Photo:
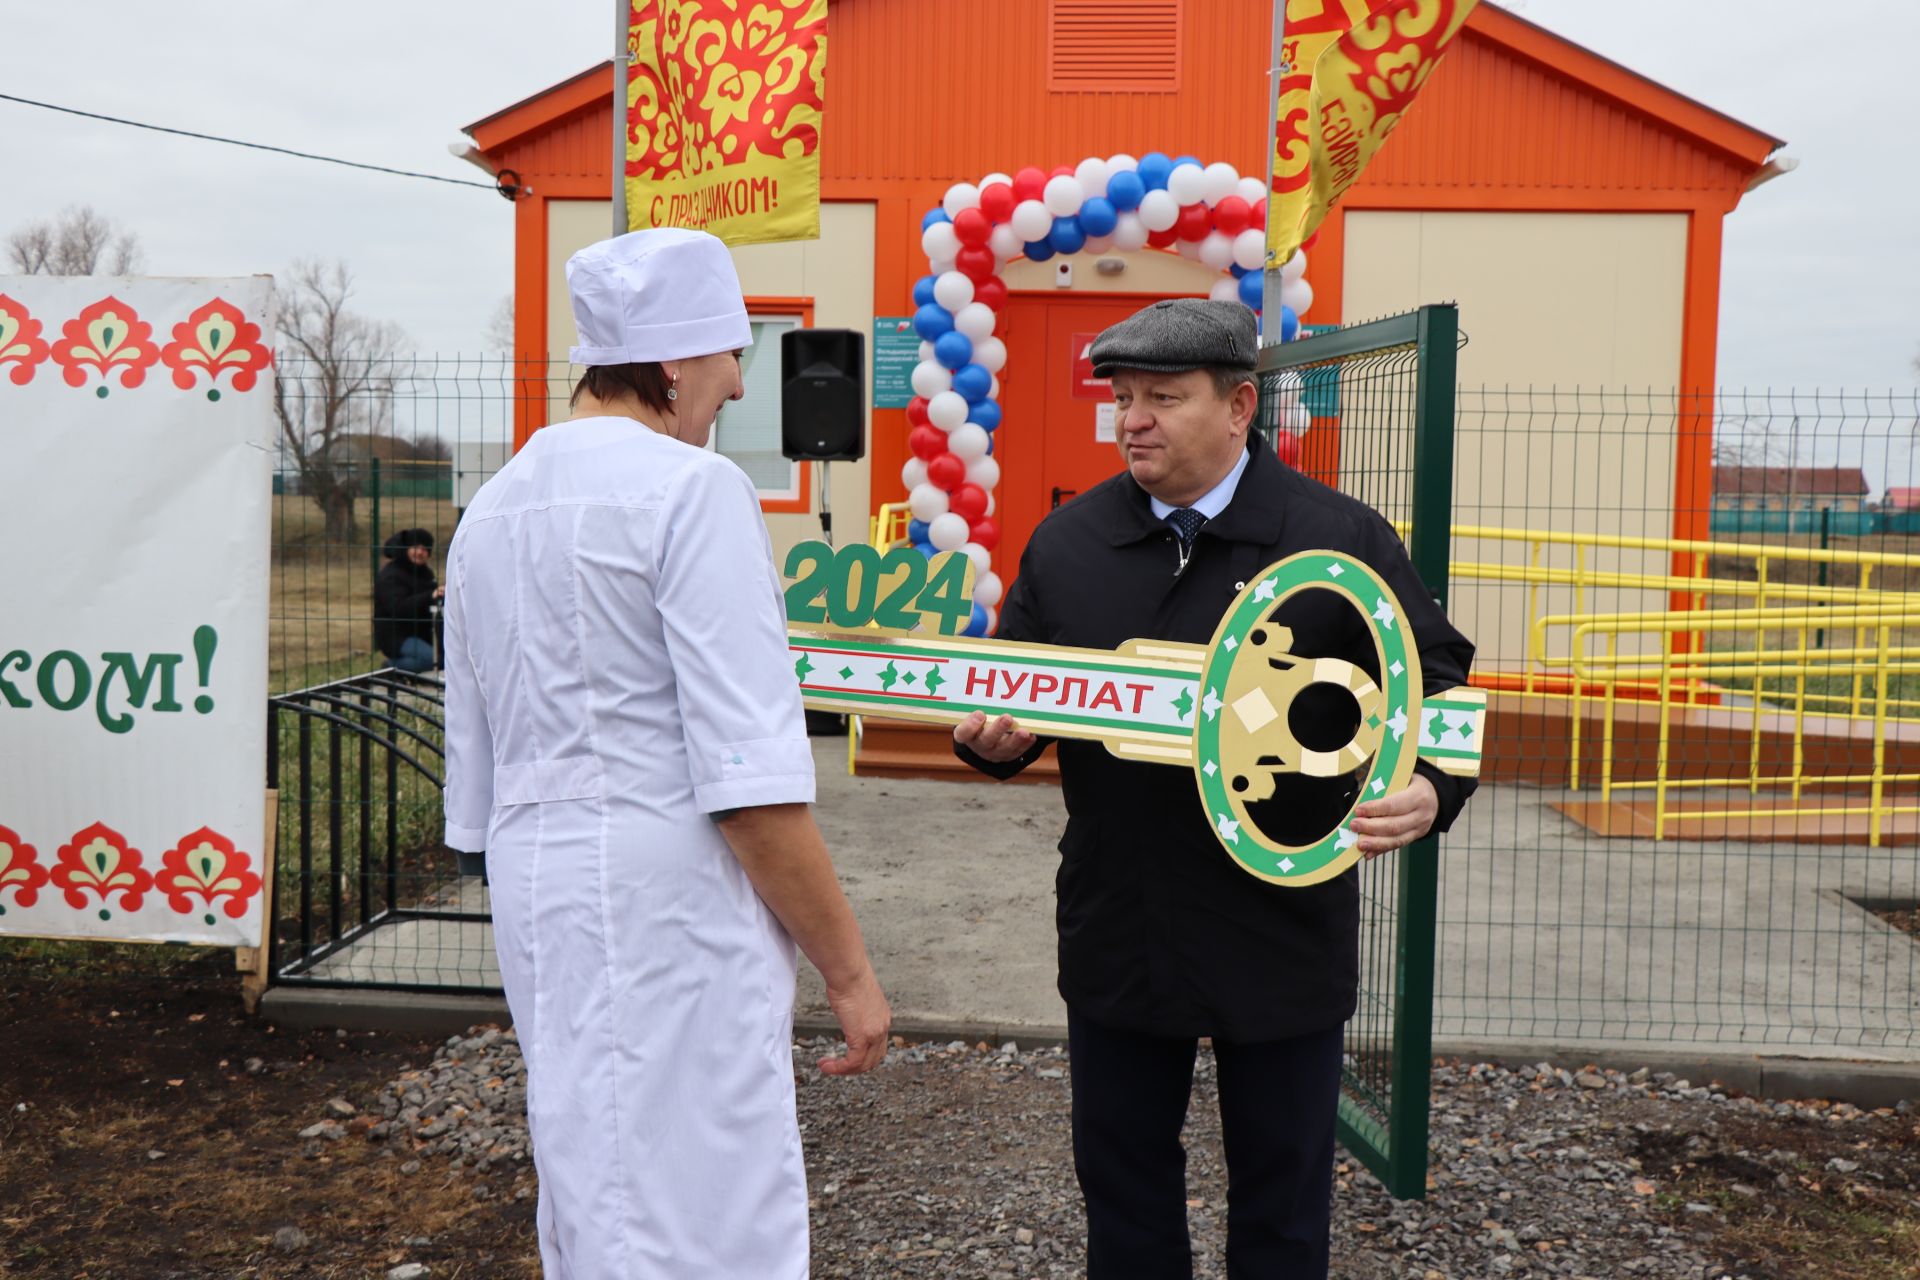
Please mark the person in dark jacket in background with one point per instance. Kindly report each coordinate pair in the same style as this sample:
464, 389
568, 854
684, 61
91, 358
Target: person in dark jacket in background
404, 593
1163, 939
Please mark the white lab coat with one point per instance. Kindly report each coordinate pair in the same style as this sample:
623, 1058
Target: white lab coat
617, 672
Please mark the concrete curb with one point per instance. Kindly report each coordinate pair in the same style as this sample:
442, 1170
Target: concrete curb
1783, 1076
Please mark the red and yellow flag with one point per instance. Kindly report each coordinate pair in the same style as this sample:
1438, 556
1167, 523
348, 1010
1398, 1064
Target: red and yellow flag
1355, 67
724, 101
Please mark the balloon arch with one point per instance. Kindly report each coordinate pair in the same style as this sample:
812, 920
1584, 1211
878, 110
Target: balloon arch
1208, 213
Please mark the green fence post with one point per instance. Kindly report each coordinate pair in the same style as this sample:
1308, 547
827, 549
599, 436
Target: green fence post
373, 480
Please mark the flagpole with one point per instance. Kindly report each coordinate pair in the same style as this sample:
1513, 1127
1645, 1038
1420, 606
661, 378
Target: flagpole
1270, 277
622, 12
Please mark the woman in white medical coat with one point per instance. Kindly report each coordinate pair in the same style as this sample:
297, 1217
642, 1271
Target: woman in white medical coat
625, 740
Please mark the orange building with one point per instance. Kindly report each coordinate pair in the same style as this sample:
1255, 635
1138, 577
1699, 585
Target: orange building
1572, 207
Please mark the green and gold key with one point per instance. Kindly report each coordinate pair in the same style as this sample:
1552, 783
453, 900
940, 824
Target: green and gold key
1222, 710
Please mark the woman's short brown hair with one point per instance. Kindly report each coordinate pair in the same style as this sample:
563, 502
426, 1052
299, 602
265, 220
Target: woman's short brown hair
646, 383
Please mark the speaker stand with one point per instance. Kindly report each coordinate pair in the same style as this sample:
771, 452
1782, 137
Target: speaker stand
826, 509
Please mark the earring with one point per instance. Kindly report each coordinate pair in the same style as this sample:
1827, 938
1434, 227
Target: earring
673, 391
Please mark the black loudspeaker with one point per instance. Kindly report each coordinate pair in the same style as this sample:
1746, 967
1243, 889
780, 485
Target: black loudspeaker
823, 394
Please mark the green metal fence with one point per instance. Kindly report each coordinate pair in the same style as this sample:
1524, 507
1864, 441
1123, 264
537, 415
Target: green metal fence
1387, 389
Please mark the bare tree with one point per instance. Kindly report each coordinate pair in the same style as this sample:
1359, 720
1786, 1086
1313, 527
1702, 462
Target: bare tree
80, 242
333, 388
499, 333
431, 446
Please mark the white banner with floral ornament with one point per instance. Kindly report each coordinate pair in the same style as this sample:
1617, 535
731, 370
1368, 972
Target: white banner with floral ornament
135, 499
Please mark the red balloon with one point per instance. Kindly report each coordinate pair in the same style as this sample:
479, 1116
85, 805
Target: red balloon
972, 226
1195, 221
969, 501
985, 532
992, 291
948, 472
927, 443
917, 412
1029, 183
997, 201
1064, 171
1287, 446
1163, 239
1259, 211
976, 262
1232, 216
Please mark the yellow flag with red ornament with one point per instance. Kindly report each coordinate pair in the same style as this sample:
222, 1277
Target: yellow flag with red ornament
1354, 69
724, 100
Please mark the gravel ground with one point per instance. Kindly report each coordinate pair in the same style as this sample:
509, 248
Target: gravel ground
954, 1161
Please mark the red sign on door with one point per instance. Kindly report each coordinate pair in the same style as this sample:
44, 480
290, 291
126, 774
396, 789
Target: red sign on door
1085, 385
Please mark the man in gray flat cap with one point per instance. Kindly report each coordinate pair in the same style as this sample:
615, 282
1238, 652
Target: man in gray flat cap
1162, 938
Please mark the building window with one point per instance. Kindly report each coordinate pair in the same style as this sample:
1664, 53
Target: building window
748, 429
1113, 46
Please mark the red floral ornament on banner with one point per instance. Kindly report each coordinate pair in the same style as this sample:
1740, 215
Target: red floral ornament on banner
20, 871
20, 343
101, 862
218, 338
207, 866
108, 335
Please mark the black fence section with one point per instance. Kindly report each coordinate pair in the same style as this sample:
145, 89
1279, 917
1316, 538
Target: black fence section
365, 894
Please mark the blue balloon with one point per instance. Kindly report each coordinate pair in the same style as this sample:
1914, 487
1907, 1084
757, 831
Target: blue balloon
973, 382
932, 320
953, 348
1178, 161
1098, 217
1153, 171
1038, 250
923, 291
916, 531
1067, 235
932, 216
977, 624
985, 414
1125, 190
1237, 270
1252, 285
926, 549
1289, 324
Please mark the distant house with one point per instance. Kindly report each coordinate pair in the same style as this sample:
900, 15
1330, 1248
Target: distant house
1790, 489
1902, 499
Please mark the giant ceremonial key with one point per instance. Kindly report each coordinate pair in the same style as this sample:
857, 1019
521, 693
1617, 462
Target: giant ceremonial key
1222, 710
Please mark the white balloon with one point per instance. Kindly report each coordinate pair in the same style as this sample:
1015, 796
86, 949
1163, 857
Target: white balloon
1005, 242
1296, 419
1097, 245
1217, 250
1188, 249
1222, 178
990, 354
931, 378
947, 409
914, 473
960, 196
1296, 266
993, 391
948, 530
993, 617
1187, 184
926, 352
1286, 389
1030, 220
987, 590
968, 441
1129, 233
1159, 210
992, 178
983, 471
1250, 249
940, 266
1091, 174
975, 320
992, 502
926, 502
1226, 289
1063, 196
941, 242
1297, 294
1122, 163
982, 559
1252, 190
952, 290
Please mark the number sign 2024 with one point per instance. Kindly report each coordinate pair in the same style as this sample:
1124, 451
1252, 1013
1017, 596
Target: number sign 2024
896, 590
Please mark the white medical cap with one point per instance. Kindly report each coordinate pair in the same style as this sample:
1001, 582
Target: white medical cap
664, 294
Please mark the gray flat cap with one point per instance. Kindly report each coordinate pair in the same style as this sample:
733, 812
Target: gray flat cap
1177, 334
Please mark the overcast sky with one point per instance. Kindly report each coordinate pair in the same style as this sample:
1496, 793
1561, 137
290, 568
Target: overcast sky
1822, 267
